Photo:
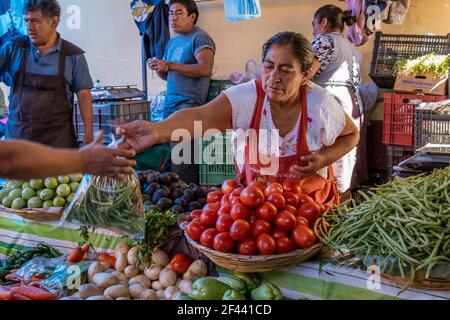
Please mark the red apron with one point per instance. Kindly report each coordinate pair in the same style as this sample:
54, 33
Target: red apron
323, 191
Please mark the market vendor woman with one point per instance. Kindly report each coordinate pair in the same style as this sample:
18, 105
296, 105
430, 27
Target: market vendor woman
314, 130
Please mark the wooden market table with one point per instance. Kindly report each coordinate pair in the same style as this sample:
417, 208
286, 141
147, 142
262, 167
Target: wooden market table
307, 280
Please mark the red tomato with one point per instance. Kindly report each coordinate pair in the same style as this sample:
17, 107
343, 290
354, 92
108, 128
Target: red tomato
180, 262
303, 236
304, 198
247, 247
235, 200
285, 220
273, 188
207, 237
195, 214
277, 200
291, 209
229, 185
266, 244
266, 212
239, 211
278, 233
195, 229
259, 184
291, 199
240, 229
225, 208
252, 197
224, 222
310, 211
259, 227
214, 196
208, 218
285, 245
235, 194
252, 218
291, 185
225, 199
302, 220
212, 206
223, 242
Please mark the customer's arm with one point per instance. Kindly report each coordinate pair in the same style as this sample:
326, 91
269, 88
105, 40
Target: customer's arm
26, 160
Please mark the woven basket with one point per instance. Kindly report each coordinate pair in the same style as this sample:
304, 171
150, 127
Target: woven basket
50, 214
259, 263
420, 282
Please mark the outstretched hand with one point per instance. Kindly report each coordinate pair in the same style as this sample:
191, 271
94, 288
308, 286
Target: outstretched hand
138, 135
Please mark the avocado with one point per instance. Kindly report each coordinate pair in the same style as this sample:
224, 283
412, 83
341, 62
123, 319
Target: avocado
166, 188
153, 177
181, 201
151, 188
160, 193
194, 205
189, 194
199, 192
164, 203
173, 176
177, 209
164, 179
176, 193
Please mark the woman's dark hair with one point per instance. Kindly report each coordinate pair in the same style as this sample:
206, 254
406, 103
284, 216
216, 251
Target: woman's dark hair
337, 19
49, 8
300, 46
190, 6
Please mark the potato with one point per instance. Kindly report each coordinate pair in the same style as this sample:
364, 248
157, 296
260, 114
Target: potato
140, 279
121, 248
157, 285
116, 291
159, 257
124, 298
121, 277
148, 294
94, 268
105, 280
160, 294
121, 262
99, 298
153, 272
109, 270
143, 265
168, 277
197, 269
131, 271
169, 292
136, 290
185, 286
132, 256
176, 295
89, 290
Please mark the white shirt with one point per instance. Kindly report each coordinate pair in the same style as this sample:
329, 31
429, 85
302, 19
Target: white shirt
326, 120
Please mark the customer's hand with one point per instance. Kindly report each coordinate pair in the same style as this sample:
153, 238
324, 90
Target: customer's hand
100, 160
158, 65
315, 162
139, 135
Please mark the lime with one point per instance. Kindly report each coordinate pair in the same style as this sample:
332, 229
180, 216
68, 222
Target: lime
14, 194
59, 201
76, 177
34, 202
4, 194
26, 185
63, 190
18, 204
74, 186
47, 194
64, 179
69, 198
28, 193
37, 184
38, 192
7, 201
7, 184
51, 183
13, 186
47, 204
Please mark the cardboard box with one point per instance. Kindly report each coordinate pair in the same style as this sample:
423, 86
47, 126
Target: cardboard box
426, 83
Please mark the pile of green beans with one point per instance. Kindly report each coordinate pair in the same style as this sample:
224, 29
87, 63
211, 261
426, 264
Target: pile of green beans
407, 220
105, 202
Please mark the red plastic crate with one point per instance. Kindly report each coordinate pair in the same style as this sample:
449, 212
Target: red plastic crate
398, 124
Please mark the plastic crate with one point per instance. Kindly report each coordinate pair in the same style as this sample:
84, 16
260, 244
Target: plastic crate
216, 160
216, 87
390, 48
398, 124
395, 155
430, 128
107, 115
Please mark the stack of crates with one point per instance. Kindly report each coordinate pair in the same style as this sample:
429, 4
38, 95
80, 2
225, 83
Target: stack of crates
216, 160
430, 127
112, 107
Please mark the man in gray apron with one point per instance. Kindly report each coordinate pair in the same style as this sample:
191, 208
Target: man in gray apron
46, 70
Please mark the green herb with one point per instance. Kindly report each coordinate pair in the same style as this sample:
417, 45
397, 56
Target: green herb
429, 63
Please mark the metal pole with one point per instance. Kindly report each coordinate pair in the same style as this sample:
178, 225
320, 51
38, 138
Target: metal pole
144, 69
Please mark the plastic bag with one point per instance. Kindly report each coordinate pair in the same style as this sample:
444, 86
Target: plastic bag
106, 202
157, 107
39, 268
252, 71
67, 280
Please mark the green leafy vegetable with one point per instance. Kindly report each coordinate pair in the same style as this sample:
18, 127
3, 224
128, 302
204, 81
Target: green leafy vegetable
432, 62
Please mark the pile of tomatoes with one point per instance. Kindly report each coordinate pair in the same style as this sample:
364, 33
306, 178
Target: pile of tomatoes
258, 219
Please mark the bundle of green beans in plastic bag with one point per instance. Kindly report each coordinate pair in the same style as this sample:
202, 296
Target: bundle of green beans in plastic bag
105, 202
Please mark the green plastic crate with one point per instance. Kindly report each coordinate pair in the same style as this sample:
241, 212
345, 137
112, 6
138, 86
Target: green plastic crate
216, 174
